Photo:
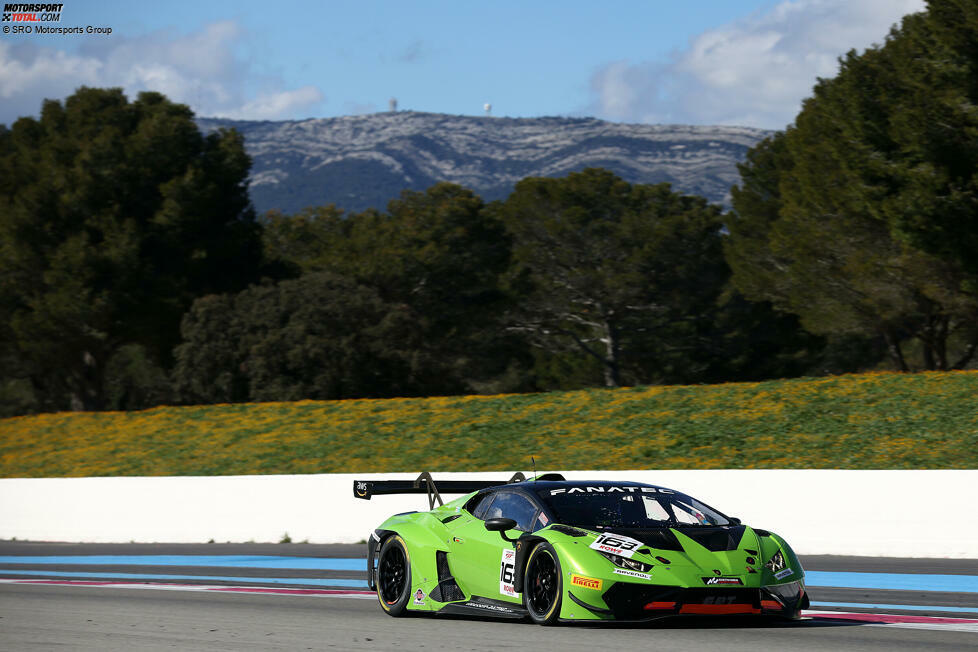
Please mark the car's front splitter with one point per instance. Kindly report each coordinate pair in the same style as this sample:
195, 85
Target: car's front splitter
634, 602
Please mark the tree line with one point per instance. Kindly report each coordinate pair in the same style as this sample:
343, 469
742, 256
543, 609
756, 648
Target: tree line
862, 217
134, 272
574, 282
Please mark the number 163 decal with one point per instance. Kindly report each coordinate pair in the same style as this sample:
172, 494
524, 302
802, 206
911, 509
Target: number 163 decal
507, 567
616, 544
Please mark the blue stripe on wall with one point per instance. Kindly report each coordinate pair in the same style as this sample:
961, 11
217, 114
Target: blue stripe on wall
896, 581
227, 561
294, 581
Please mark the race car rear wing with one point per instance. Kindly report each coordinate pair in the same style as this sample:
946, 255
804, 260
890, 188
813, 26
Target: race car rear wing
424, 484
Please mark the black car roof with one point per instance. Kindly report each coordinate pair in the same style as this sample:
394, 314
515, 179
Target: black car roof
530, 485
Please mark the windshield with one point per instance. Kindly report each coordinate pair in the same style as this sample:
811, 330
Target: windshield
641, 507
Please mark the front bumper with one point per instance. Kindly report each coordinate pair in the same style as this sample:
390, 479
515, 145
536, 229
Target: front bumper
630, 601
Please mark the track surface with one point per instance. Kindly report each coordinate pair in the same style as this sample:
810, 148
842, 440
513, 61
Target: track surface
84, 617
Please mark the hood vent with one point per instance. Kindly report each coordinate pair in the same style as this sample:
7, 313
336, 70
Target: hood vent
660, 538
716, 539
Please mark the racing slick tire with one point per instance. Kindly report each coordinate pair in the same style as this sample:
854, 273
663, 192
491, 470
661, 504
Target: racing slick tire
543, 585
394, 576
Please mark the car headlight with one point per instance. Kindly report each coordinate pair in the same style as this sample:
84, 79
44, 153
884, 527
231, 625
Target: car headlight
776, 562
625, 562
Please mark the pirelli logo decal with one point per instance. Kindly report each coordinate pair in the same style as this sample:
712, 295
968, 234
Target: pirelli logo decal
586, 582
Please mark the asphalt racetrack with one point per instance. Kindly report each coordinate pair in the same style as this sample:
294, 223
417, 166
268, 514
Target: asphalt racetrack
313, 597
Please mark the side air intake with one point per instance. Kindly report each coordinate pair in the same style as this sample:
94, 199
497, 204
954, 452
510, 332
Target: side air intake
447, 589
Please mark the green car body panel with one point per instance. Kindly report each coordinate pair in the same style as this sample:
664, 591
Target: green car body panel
487, 568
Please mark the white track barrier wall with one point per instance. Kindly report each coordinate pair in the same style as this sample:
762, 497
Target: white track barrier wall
876, 513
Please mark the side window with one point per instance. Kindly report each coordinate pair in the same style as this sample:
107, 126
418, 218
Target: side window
541, 522
514, 506
480, 506
689, 514
654, 510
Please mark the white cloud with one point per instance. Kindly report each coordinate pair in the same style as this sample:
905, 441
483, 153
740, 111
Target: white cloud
271, 106
753, 72
199, 69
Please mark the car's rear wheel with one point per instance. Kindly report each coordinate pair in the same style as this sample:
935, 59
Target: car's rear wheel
542, 585
394, 576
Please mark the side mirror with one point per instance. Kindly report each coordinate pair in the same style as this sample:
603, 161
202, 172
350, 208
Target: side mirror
501, 525
734, 520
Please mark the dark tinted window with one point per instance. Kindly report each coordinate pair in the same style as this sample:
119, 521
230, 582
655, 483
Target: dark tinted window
479, 506
632, 507
514, 506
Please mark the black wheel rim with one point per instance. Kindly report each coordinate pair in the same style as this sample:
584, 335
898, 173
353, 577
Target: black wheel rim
393, 574
542, 575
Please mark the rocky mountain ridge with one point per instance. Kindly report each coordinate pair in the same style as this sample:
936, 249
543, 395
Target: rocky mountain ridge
363, 161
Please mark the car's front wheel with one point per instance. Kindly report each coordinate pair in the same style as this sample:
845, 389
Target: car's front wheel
394, 576
543, 585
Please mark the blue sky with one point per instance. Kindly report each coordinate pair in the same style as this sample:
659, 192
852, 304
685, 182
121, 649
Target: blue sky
740, 62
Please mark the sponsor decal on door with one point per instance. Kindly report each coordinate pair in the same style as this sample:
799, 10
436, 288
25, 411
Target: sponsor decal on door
507, 570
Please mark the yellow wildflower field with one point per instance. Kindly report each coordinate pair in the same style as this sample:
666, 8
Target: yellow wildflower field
865, 421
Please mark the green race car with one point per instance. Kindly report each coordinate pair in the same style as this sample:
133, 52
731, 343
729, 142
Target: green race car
557, 550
